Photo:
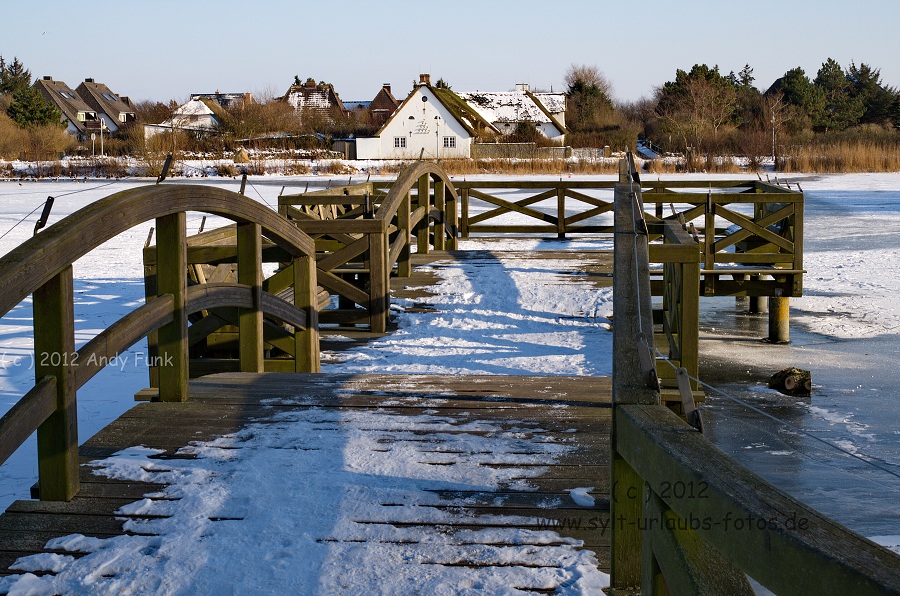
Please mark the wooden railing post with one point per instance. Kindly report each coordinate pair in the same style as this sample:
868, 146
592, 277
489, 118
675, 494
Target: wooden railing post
404, 265
379, 281
633, 312
306, 341
561, 213
171, 278
54, 355
249, 273
440, 228
464, 214
451, 209
424, 201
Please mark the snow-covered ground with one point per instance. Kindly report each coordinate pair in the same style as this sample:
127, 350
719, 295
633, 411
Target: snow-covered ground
505, 320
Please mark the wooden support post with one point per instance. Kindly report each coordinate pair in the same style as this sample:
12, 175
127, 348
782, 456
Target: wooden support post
440, 227
633, 312
758, 304
452, 210
306, 341
171, 278
561, 213
54, 354
404, 265
779, 320
464, 214
150, 294
424, 228
379, 282
689, 334
249, 273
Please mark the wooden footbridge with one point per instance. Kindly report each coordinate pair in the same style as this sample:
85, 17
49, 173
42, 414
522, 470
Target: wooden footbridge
670, 513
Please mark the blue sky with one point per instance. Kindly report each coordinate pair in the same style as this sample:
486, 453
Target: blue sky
167, 49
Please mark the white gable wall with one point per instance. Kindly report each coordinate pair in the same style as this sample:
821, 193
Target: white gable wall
415, 126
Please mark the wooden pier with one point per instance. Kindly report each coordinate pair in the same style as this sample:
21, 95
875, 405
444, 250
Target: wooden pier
261, 340
573, 411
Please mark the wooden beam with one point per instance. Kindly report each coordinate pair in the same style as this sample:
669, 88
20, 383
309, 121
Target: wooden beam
55, 356
306, 339
249, 261
171, 278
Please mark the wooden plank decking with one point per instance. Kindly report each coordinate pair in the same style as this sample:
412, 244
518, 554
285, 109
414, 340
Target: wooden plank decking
569, 410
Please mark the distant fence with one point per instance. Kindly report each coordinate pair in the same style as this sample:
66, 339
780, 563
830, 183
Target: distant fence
518, 151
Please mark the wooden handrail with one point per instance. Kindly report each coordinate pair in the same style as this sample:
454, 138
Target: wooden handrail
381, 240
685, 517
30, 265
42, 266
783, 544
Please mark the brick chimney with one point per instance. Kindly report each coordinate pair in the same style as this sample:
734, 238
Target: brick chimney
425, 79
386, 87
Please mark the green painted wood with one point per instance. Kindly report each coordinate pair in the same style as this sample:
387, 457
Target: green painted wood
249, 261
171, 279
55, 356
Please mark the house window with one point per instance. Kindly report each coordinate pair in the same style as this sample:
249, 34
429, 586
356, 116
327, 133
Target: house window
400, 142
449, 142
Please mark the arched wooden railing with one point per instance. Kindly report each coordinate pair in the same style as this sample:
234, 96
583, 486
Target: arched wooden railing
42, 267
356, 225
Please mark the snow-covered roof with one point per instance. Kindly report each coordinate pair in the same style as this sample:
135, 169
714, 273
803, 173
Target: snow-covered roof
510, 106
554, 102
194, 107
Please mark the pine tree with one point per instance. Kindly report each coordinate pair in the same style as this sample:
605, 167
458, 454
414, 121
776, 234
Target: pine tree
29, 108
841, 109
13, 77
799, 91
877, 100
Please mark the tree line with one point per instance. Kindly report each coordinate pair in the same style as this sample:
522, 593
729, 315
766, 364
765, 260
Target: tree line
704, 112
700, 113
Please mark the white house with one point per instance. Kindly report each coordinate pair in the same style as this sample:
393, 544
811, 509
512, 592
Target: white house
432, 123
194, 116
505, 110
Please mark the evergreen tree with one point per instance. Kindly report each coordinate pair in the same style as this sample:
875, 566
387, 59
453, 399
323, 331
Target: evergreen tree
877, 100
29, 108
799, 91
13, 77
840, 108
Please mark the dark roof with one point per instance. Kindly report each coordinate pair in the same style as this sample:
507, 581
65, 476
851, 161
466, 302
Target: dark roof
99, 97
68, 102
